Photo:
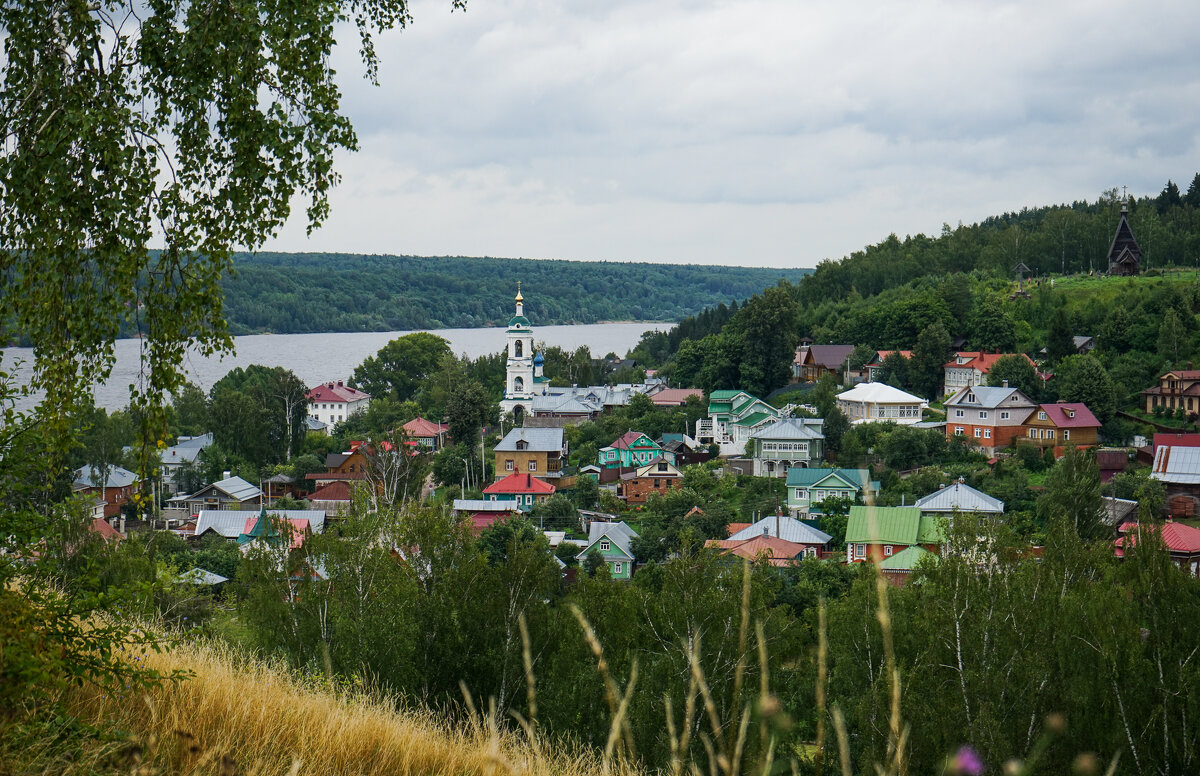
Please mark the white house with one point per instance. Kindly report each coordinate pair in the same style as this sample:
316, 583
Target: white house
331, 403
880, 403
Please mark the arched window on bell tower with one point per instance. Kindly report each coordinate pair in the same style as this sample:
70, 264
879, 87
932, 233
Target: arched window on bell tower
517, 349
519, 382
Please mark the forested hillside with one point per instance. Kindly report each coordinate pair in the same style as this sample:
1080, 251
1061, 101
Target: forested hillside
296, 293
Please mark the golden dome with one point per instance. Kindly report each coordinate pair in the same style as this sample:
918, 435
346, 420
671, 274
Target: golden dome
519, 297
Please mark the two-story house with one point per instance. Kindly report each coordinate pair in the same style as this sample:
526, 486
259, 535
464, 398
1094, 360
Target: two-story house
807, 488
815, 361
524, 490
733, 417
880, 403
537, 451
658, 476
613, 542
184, 452
971, 368
109, 492
1061, 425
1179, 389
991, 418
633, 448
229, 493
331, 403
787, 443
879, 532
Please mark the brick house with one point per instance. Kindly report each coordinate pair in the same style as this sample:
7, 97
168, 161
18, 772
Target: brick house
658, 476
112, 494
1058, 426
881, 532
991, 418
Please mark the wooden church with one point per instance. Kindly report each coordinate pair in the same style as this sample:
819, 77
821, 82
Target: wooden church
1124, 256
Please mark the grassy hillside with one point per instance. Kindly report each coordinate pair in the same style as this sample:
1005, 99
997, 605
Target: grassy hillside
292, 293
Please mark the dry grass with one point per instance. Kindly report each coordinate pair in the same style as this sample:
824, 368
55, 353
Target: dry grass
234, 718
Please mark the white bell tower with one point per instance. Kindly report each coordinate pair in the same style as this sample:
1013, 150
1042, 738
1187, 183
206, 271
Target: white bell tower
519, 383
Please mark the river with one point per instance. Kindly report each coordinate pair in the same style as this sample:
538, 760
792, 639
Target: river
317, 358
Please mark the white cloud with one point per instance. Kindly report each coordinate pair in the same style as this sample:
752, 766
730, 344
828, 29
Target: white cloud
770, 132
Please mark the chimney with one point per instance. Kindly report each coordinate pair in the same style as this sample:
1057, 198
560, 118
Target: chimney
225, 475
339, 383
766, 532
777, 524
122, 528
1004, 383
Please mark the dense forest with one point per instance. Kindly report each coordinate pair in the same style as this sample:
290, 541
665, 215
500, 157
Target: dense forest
288, 293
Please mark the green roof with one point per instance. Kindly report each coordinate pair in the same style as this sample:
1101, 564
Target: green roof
806, 478
723, 395
931, 531
518, 319
883, 525
906, 559
750, 420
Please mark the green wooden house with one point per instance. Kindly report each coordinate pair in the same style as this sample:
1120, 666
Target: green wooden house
633, 448
612, 541
806, 488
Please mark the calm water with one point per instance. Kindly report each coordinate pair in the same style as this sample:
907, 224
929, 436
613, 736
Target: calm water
317, 358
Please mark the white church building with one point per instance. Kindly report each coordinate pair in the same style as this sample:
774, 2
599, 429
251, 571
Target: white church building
524, 367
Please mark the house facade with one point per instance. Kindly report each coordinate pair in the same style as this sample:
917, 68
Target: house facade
990, 418
959, 497
733, 417
874, 367
541, 452
1062, 425
109, 492
185, 451
806, 488
1179, 389
230, 493
816, 361
633, 448
331, 403
658, 476
428, 435
880, 403
524, 490
1178, 468
878, 533
787, 443
613, 543
971, 367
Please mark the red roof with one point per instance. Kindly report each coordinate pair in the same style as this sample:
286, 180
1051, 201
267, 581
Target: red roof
520, 483
780, 552
424, 429
1177, 440
628, 438
1180, 539
299, 529
982, 360
1185, 374
106, 531
334, 491
336, 392
1060, 414
882, 354
735, 527
675, 396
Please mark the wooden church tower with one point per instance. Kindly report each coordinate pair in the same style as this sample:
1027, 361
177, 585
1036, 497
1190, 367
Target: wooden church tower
1124, 256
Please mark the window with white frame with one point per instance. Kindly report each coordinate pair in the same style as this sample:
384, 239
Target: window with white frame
958, 413
1067, 434
978, 433
508, 464
958, 430
604, 546
887, 549
987, 433
983, 414
860, 550
533, 466
617, 567
1004, 416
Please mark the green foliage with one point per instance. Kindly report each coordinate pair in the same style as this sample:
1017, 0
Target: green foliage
929, 355
556, 513
258, 413
401, 367
1060, 341
1072, 493
1018, 372
990, 328
1084, 379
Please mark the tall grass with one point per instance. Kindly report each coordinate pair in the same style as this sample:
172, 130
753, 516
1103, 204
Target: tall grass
234, 717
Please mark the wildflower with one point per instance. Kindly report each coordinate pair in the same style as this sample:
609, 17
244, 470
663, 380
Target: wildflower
966, 762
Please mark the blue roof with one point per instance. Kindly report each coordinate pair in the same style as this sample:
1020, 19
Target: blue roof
539, 359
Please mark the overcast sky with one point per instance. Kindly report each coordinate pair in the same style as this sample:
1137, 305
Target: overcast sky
758, 133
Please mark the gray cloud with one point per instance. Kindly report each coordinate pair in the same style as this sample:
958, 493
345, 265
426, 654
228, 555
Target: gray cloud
774, 132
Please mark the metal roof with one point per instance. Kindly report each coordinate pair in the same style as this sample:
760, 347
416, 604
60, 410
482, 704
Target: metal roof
990, 397
878, 393
87, 477
236, 487
782, 527
906, 559
1180, 465
620, 534
538, 440
231, 523
892, 525
961, 497
483, 505
792, 428
800, 477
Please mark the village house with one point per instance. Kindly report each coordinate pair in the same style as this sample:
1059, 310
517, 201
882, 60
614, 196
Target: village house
788, 442
484, 513
757, 549
807, 488
230, 493
272, 528
1176, 390
733, 417
1062, 425
880, 532
812, 541
874, 367
658, 476
812, 362
1178, 468
1182, 542
685, 450
613, 542
231, 524
898, 568
108, 492
523, 489
185, 451
991, 418
675, 397
971, 368
880, 403
959, 497
429, 436
537, 451
633, 448
331, 403
334, 498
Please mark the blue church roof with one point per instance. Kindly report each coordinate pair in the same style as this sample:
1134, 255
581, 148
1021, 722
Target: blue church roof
539, 359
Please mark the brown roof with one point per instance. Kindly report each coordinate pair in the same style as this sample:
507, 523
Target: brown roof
1060, 415
423, 429
674, 396
334, 491
829, 356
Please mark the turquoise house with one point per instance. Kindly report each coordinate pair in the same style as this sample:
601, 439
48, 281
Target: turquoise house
612, 541
808, 487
